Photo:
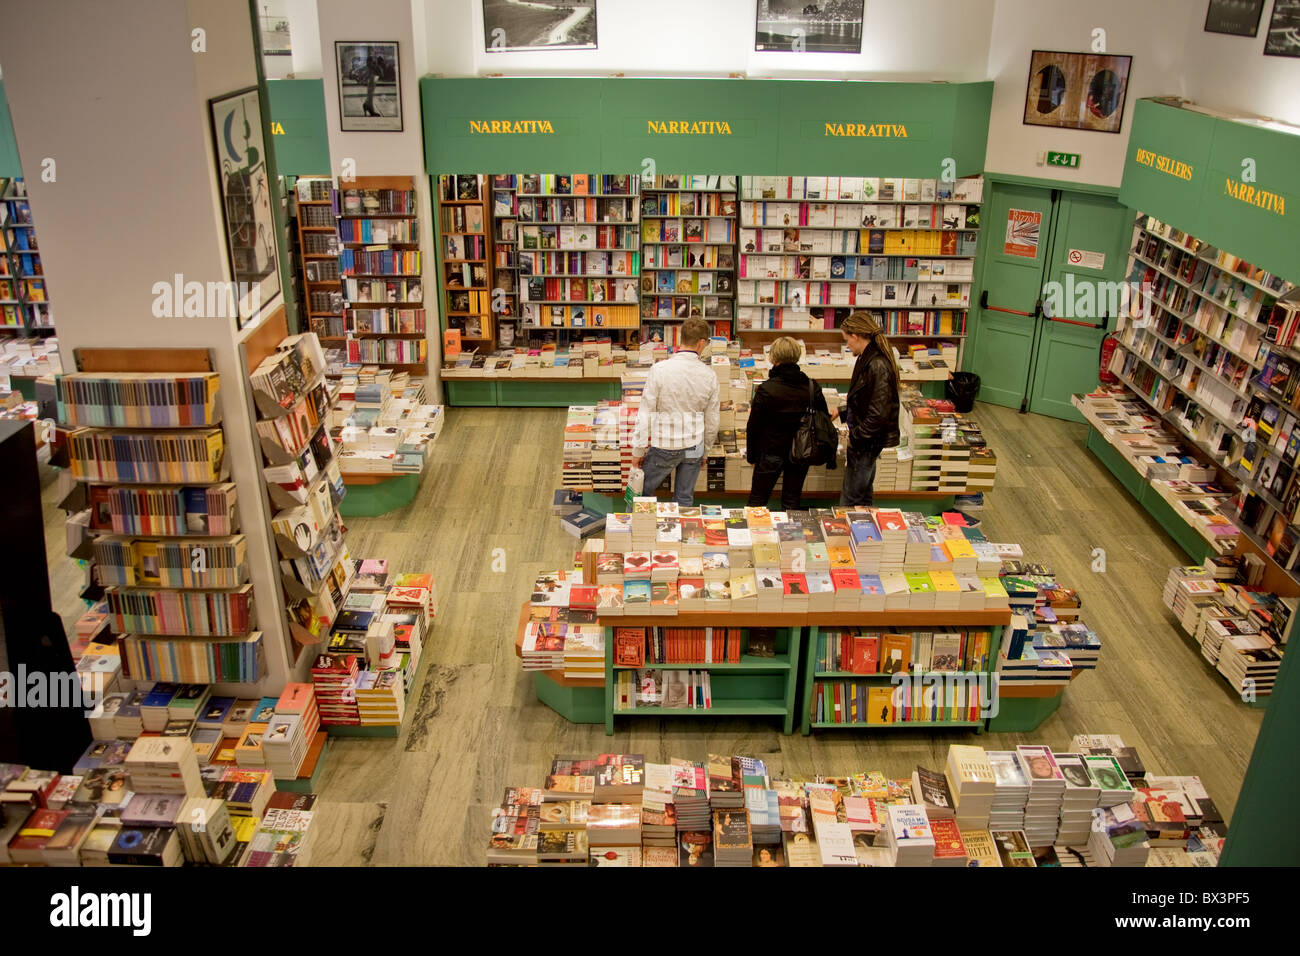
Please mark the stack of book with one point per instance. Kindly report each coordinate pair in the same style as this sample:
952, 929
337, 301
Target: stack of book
733, 842
907, 836
1046, 792
334, 678
1119, 838
690, 795
381, 698
164, 765
282, 839
1007, 811
972, 782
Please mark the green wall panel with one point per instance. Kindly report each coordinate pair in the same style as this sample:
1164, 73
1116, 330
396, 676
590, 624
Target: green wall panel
298, 106
570, 106
10, 166
1204, 201
771, 126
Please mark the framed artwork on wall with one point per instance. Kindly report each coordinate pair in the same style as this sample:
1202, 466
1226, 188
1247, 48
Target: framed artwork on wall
1239, 18
511, 26
1283, 29
370, 87
799, 26
245, 202
1077, 90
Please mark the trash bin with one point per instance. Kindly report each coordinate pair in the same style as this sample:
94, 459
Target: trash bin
962, 389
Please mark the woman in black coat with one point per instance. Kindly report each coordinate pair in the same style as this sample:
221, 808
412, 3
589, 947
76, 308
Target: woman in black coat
871, 406
774, 415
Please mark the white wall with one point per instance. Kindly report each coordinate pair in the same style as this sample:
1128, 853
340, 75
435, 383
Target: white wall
1232, 73
1152, 32
902, 40
135, 199
387, 154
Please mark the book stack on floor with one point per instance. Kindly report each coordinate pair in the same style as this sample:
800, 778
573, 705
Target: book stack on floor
291, 731
1241, 630
334, 678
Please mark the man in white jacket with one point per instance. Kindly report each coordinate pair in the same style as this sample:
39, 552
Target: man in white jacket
678, 419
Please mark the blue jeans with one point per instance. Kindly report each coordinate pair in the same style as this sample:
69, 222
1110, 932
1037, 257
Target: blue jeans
660, 461
859, 476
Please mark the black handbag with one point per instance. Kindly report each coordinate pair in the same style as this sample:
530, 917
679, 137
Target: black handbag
815, 440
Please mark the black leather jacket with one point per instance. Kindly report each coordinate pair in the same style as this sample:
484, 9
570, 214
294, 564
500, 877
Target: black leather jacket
872, 404
776, 411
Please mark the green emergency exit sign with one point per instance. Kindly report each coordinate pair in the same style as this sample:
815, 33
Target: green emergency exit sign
1063, 159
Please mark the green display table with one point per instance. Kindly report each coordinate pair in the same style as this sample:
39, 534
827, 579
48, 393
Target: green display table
372, 495
578, 705
1023, 714
530, 392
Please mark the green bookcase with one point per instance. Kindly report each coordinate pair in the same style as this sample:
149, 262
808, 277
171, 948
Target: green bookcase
757, 686
992, 621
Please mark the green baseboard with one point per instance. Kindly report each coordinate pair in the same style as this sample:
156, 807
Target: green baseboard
460, 392
24, 386
529, 393
578, 705
370, 501
349, 730
1018, 715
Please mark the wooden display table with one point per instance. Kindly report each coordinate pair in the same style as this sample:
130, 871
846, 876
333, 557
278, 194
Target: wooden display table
577, 701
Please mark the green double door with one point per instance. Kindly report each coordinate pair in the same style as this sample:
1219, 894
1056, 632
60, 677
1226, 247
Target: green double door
1047, 298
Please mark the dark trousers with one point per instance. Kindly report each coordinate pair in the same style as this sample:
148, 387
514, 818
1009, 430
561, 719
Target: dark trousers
767, 471
859, 476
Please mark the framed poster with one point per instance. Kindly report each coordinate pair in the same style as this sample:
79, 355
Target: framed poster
370, 90
511, 25
245, 202
797, 26
1283, 29
1239, 18
1077, 90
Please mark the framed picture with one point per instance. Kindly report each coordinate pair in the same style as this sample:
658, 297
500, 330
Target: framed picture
509, 25
1077, 90
798, 26
245, 202
370, 89
1283, 29
1239, 18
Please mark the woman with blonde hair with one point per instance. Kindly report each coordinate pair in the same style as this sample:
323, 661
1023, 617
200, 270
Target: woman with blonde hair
774, 416
871, 406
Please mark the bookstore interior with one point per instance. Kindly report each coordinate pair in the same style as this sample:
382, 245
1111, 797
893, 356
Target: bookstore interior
329, 493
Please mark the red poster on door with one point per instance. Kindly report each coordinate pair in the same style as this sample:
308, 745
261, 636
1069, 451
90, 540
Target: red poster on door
1022, 233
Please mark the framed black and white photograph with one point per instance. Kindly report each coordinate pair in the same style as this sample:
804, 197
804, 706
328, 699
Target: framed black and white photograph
1077, 90
808, 26
1284, 29
245, 202
1239, 18
370, 91
513, 25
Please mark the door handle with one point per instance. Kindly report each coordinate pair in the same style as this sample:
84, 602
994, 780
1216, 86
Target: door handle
984, 304
1086, 325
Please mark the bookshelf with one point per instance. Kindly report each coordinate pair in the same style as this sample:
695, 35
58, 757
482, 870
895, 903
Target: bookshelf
162, 530
1217, 347
24, 299
505, 256
756, 686
688, 253
813, 249
816, 676
380, 266
318, 249
302, 478
579, 254
466, 252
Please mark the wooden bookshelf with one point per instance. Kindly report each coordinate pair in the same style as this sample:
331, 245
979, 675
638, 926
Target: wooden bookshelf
826, 246
24, 298
579, 253
318, 264
147, 655
688, 252
382, 277
466, 263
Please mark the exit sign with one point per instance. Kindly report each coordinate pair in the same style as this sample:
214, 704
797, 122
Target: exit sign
1063, 159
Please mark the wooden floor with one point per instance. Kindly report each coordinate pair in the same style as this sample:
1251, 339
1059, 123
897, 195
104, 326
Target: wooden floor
481, 523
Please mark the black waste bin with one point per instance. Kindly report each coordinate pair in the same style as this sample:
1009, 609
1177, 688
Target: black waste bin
962, 389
